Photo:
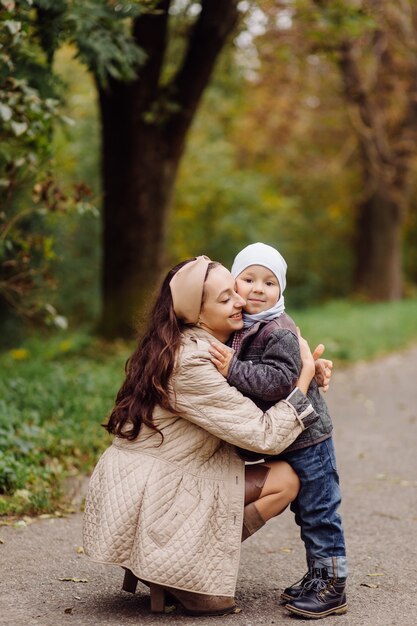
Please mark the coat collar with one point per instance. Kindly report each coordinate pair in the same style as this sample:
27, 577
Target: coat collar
199, 335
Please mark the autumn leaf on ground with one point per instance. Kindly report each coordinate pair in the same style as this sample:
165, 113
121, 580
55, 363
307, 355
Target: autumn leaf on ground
370, 585
375, 574
74, 580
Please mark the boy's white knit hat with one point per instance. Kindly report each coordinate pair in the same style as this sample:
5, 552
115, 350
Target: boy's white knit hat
261, 254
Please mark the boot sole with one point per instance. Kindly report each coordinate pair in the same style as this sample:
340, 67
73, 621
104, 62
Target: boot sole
340, 610
285, 597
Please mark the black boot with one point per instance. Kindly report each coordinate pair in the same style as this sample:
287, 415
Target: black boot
322, 596
294, 591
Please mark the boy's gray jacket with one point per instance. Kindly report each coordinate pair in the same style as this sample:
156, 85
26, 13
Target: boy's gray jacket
266, 368
171, 509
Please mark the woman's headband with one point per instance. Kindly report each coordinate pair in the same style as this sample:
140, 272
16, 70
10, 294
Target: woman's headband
187, 289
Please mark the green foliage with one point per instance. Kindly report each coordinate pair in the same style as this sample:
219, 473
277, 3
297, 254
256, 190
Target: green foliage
329, 23
98, 30
271, 155
221, 205
76, 147
263, 165
28, 107
33, 198
28, 191
54, 396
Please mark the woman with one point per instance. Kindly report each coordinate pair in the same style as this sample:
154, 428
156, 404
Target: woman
168, 500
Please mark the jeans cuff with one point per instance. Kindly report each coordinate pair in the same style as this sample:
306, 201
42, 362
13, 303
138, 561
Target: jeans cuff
336, 566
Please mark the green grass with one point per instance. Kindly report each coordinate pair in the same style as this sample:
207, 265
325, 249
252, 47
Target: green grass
354, 331
56, 392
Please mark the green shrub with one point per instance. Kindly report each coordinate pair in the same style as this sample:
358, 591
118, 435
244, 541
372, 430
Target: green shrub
54, 394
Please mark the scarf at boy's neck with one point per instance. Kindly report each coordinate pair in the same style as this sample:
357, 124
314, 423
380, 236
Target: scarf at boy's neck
264, 316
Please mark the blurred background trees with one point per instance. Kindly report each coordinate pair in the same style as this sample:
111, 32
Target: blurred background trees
305, 138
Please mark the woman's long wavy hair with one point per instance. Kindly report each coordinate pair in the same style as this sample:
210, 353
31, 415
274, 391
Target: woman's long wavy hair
149, 369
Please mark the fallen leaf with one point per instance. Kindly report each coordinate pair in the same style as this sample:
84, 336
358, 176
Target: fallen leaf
375, 574
20, 524
1, 540
69, 610
388, 516
286, 550
79, 550
370, 585
74, 580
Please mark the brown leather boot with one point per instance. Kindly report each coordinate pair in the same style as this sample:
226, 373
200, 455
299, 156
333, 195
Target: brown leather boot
252, 521
192, 603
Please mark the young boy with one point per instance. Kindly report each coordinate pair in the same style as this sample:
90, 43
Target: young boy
265, 366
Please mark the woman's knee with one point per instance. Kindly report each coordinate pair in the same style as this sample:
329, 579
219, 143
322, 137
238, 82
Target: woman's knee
285, 479
293, 484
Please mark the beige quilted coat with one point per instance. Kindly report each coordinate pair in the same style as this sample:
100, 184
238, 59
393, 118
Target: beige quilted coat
172, 512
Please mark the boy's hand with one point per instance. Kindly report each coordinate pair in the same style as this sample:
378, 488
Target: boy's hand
323, 368
221, 356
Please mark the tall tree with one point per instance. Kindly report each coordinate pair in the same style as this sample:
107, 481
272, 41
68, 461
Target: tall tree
144, 128
148, 96
31, 195
378, 65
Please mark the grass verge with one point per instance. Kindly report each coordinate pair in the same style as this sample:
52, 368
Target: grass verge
353, 331
54, 396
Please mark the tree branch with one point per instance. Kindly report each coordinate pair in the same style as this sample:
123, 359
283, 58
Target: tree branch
216, 21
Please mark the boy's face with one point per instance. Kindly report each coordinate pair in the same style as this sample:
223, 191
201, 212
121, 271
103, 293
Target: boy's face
260, 288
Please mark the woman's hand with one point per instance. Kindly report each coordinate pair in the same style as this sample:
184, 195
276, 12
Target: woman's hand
323, 368
221, 356
308, 364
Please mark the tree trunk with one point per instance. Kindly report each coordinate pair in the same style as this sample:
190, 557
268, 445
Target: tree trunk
385, 162
378, 274
144, 128
139, 168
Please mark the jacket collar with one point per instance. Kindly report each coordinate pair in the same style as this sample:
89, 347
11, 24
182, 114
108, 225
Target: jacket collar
199, 335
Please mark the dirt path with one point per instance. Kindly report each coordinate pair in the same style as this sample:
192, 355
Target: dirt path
375, 413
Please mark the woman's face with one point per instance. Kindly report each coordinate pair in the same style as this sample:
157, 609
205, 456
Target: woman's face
221, 312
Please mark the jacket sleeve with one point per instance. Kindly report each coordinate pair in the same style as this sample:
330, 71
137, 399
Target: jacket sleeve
274, 377
203, 396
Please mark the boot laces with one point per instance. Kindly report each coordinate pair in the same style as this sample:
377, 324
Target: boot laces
319, 580
318, 584
303, 580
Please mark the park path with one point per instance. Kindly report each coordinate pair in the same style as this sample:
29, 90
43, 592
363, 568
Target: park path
374, 407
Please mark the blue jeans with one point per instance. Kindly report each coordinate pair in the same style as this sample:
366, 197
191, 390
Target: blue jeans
316, 507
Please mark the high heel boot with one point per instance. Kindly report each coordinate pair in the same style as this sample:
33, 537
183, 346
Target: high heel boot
192, 603
252, 521
130, 581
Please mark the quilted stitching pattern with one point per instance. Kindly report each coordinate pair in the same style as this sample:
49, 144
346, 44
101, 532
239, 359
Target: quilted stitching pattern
172, 512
